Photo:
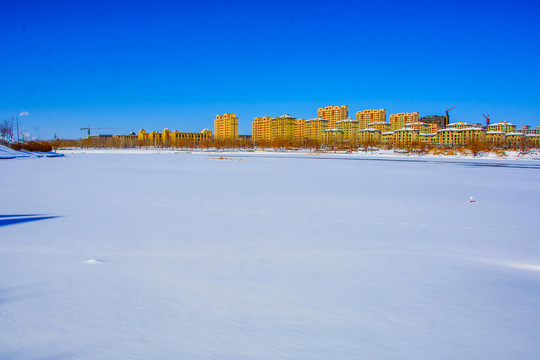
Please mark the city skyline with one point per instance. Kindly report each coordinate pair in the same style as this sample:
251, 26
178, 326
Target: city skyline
140, 65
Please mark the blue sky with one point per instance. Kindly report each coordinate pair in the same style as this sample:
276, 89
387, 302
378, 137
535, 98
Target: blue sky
177, 64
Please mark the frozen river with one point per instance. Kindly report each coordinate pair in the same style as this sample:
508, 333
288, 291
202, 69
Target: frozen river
188, 256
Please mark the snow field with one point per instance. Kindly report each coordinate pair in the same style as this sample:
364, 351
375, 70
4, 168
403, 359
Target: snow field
174, 256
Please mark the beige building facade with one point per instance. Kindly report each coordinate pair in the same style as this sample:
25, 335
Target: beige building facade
333, 114
226, 127
365, 117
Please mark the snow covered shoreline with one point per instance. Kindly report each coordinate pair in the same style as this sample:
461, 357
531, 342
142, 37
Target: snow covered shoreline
510, 155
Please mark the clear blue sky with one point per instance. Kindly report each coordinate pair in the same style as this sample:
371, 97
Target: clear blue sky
177, 64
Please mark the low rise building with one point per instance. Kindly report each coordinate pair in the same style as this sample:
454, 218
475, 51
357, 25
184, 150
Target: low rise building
383, 126
314, 128
172, 138
406, 136
505, 127
495, 137
422, 127
387, 137
332, 136
369, 136
513, 139
349, 127
533, 140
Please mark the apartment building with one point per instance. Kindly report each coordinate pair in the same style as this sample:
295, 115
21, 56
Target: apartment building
332, 136
261, 128
369, 135
505, 127
461, 125
273, 128
226, 127
282, 127
423, 128
399, 120
172, 138
300, 129
349, 127
313, 128
365, 117
333, 114
406, 136
380, 125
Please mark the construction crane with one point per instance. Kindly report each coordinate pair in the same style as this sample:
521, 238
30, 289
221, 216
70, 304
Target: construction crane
487, 119
89, 128
447, 116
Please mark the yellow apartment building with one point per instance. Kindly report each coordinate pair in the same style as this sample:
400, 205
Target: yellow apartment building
423, 128
131, 136
514, 138
333, 114
365, 117
282, 127
383, 126
495, 137
533, 139
261, 128
174, 138
459, 125
406, 136
369, 135
449, 137
332, 136
472, 134
399, 120
226, 127
349, 128
504, 126
314, 128
177, 138
300, 129
387, 137
428, 138
273, 128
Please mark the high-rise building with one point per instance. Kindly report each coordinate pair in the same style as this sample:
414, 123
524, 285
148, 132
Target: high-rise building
333, 114
226, 127
282, 127
260, 128
274, 128
300, 129
399, 120
366, 117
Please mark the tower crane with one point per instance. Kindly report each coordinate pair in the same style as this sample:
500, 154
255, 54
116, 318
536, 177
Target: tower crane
487, 119
447, 116
89, 128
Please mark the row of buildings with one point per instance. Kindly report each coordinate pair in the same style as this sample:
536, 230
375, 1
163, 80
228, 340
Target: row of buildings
333, 125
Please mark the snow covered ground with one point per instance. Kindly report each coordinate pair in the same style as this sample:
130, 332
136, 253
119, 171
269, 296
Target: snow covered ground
262, 256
